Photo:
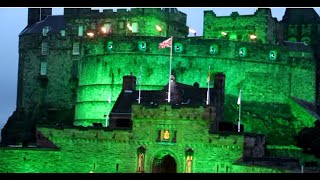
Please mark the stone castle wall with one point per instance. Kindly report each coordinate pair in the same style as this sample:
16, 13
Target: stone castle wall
261, 79
82, 151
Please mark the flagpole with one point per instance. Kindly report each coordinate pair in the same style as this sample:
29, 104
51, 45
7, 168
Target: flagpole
239, 111
208, 92
139, 86
169, 91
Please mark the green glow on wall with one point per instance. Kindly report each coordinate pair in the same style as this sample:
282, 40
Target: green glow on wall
101, 74
120, 150
233, 36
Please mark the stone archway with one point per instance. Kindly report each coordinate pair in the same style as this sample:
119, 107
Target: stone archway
164, 164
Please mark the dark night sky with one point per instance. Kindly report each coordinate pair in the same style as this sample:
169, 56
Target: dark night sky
13, 20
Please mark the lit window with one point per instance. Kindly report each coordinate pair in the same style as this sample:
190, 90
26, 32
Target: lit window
107, 27
63, 32
134, 26
76, 49
141, 159
188, 164
43, 68
44, 48
45, 30
80, 31
189, 158
292, 39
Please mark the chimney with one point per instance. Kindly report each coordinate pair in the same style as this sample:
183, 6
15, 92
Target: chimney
45, 12
218, 100
37, 14
33, 16
129, 83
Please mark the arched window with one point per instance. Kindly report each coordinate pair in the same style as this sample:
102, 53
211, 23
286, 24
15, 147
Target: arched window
189, 158
292, 39
305, 39
140, 156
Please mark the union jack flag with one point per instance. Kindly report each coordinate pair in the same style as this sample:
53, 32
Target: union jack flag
165, 43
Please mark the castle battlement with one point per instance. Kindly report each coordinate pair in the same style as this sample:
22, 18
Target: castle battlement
171, 112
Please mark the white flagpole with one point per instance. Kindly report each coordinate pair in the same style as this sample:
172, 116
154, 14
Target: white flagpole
239, 102
107, 120
208, 91
139, 86
169, 91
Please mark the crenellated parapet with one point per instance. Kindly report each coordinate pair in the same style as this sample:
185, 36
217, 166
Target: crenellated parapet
248, 28
172, 112
127, 22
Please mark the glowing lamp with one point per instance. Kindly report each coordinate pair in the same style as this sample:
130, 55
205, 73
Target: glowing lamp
103, 30
129, 27
158, 28
90, 34
224, 33
252, 36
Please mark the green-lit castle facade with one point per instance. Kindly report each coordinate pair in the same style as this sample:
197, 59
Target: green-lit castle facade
93, 92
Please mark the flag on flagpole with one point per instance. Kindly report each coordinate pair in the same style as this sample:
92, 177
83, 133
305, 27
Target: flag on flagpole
239, 98
165, 43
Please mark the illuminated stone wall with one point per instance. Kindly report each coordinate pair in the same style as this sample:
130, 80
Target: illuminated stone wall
82, 151
238, 27
262, 80
56, 89
172, 24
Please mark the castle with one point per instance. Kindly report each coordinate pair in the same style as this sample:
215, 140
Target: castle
93, 92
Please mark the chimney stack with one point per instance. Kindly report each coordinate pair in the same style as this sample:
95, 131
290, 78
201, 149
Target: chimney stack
129, 83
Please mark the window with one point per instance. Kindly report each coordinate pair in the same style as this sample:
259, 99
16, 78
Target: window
134, 27
44, 48
43, 68
306, 40
76, 49
141, 158
121, 24
292, 39
74, 71
108, 27
63, 32
45, 30
93, 25
80, 31
189, 158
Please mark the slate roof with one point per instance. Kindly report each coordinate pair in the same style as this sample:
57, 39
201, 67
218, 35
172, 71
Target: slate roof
56, 23
301, 16
181, 95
